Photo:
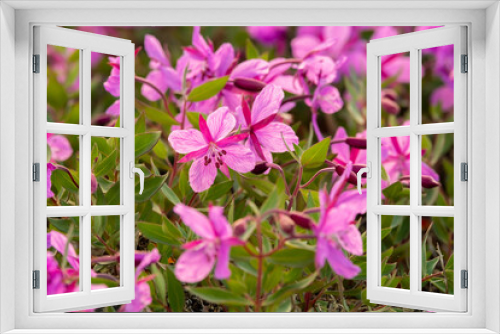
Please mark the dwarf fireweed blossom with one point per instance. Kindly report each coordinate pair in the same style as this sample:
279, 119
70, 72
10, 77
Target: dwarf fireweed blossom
212, 149
267, 135
214, 246
336, 230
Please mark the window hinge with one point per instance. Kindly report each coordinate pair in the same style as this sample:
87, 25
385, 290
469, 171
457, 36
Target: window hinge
36, 172
465, 279
464, 171
465, 64
36, 63
36, 279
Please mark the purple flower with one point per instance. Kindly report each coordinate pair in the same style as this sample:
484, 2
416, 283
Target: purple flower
267, 135
50, 168
214, 246
60, 148
142, 290
267, 34
336, 231
112, 85
212, 149
328, 99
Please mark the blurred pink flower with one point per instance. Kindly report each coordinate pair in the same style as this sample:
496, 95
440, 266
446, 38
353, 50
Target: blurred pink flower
50, 168
142, 290
347, 154
60, 148
328, 99
112, 85
336, 231
267, 135
212, 149
214, 246
267, 34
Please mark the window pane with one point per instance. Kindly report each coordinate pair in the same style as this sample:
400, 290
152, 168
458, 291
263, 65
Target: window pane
105, 96
395, 89
63, 255
63, 83
395, 159
105, 179
437, 84
105, 250
437, 254
63, 166
395, 235
437, 169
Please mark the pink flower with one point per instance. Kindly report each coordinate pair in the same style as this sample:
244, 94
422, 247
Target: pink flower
266, 135
328, 99
50, 168
212, 149
142, 290
61, 280
60, 148
396, 158
336, 231
347, 154
267, 34
214, 246
112, 85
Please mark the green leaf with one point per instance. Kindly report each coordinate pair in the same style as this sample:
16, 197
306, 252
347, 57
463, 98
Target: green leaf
219, 296
217, 191
154, 232
208, 89
61, 180
170, 195
106, 165
183, 182
102, 145
430, 265
155, 115
315, 155
151, 186
275, 200
140, 124
289, 290
144, 142
57, 95
393, 191
292, 257
194, 118
251, 50
160, 285
175, 292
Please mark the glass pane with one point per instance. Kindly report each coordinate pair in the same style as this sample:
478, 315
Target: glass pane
63, 83
437, 169
437, 254
105, 179
105, 96
63, 256
395, 258
395, 159
105, 250
437, 84
395, 90
63, 166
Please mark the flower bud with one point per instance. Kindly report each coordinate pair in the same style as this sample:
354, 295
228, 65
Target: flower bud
353, 179
301, 219
428, 182
356, 142
249, 85
287, 225
389, 101
260, 168
240, 227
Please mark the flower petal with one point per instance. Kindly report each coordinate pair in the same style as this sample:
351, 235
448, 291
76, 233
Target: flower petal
253, 68
141, 300
220, 123
151, 257
196, 221
186, 141
219, 222
222, 267
157, 78
195, 264
341, 264
154, 49
220, 61
201, 177
268, 102
350, 240
239, 158
321, 252
341, 149
271, 137
200, 43
60, 148
114, 109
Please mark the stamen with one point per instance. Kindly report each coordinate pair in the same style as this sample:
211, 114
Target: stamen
217, 165
224, 152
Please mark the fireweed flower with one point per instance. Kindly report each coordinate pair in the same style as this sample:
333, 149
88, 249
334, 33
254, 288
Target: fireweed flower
214, 246
60, 148
346, 154
336, 231
267, 135
142, 290
268, 35
50, 168
212, 149
112, 85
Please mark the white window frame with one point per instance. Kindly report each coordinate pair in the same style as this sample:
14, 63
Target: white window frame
484, 102
414, 43
85, 43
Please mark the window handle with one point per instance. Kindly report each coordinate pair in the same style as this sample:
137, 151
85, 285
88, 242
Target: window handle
139, 171
368, 171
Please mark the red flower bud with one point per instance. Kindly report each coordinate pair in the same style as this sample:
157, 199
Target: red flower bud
260, 168
353, 179
356, 142
301, 219
287, 225
249, 85
240, 227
